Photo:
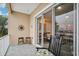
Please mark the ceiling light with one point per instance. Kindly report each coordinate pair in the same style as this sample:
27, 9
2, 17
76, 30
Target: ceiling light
59, 8
69, 25
66, 17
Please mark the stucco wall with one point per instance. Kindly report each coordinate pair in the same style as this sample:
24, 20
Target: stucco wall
14, 20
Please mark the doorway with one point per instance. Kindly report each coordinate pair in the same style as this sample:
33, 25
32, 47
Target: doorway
44, 28
47, 28
40, 30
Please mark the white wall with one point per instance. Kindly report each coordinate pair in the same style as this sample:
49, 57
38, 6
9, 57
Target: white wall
4, 44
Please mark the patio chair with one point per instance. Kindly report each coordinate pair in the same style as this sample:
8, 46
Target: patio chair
54, 45
21, 40
28, 40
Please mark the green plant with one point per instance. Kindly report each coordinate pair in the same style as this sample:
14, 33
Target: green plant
3, 23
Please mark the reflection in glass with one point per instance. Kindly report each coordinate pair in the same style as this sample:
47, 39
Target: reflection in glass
64, 14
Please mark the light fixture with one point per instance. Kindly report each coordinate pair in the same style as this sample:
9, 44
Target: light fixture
59, 8
66, 17
69, 25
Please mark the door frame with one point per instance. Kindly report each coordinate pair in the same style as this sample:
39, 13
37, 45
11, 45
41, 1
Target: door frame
42, 31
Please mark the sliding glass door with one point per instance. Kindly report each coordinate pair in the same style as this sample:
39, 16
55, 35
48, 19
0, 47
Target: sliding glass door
64, 25
40, 30
59, 20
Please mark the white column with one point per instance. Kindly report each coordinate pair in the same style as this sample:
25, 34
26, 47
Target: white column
42, 35
78, 28
53, 21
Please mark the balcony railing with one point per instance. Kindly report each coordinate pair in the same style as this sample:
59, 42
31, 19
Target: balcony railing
4, 44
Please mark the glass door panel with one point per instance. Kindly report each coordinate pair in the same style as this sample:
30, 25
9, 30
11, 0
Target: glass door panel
39, 30
64, 15
47, 28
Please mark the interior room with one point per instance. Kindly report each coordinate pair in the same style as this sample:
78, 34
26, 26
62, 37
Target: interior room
44, 28
57, 23
47, 27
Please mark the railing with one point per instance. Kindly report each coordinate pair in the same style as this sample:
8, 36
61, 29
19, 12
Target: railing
4, 44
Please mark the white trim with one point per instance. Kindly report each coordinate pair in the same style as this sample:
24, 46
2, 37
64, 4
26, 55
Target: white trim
53, 21
74, 33
77, 30
42, 29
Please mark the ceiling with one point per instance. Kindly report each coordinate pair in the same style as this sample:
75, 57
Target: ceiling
65, 7
66, 18
26, 8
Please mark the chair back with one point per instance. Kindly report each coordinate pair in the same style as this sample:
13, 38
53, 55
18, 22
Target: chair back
55, 45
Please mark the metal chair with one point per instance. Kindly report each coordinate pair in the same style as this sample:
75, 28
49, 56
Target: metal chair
54, 45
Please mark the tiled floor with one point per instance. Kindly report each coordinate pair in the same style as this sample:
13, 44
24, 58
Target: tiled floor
46, 44
22, 50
